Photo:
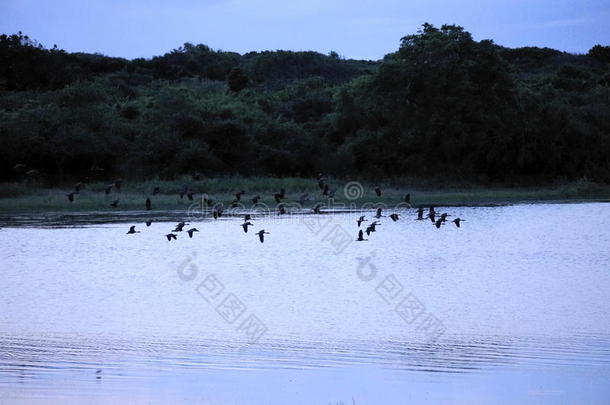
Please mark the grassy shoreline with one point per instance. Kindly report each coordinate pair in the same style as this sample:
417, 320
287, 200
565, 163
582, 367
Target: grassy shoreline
23, 198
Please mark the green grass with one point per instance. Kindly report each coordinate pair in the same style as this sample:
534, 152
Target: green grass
21, 197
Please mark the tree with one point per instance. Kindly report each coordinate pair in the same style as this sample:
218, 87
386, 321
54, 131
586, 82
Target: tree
237, 80
601, 53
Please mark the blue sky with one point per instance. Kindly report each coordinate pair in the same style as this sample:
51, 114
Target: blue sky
365, 29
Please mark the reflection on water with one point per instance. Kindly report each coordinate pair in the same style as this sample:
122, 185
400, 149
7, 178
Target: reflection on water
521, 292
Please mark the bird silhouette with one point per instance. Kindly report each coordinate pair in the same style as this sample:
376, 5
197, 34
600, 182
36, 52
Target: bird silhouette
438, 223
408, 198
378, 191
432, 214
132, 229
71, 196
239, 194
420, 213
279, 196
148, 204
190, 232
179, 227
114, 204
189, 195
378, 214
371, 227
316, 209
245, 225
184, 190
148, 222
171, 236
281, 209
457, 221
325, 190
247, 217
444, 216
255, 199
361, 236
261, 235
394, 217
361, 220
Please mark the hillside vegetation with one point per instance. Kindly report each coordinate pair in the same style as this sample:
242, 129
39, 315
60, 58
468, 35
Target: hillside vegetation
443, 106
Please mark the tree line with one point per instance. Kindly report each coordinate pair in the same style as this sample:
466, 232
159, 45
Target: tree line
442, 106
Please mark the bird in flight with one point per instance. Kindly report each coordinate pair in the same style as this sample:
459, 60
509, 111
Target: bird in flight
279, 196
179, 227
132, 229
371, 227
261, 235
245, 225
190, 232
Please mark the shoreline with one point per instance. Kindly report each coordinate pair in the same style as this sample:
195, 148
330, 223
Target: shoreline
23, 199
84, 218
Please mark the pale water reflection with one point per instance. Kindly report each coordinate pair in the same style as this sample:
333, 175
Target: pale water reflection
521, 293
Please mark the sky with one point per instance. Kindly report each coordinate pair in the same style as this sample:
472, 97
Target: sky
359, 29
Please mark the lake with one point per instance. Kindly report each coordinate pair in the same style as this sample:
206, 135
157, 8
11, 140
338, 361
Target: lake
512, 307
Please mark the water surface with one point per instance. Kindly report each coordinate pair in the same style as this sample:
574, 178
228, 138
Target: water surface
519, 296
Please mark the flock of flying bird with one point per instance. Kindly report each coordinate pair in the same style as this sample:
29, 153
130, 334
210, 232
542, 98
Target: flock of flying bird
217, 209
432, 215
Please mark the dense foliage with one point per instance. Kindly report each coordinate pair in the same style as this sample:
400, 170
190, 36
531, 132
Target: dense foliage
442, 105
